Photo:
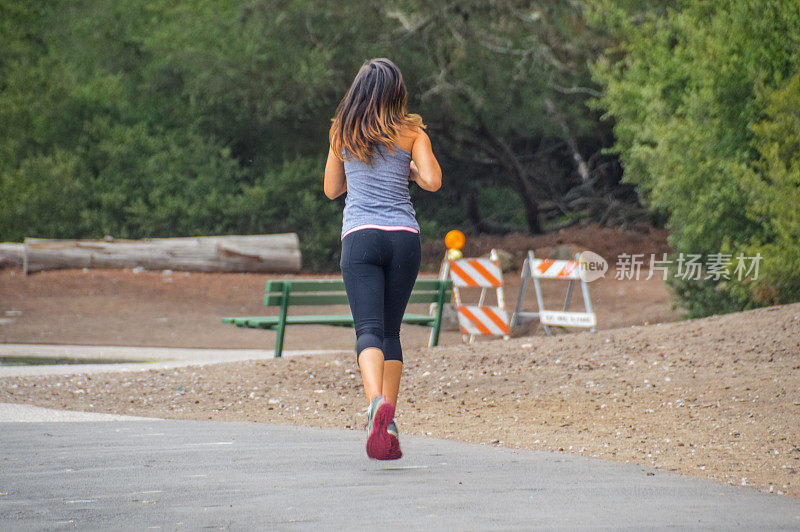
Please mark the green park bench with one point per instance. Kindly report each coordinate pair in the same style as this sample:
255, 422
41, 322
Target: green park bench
318, 292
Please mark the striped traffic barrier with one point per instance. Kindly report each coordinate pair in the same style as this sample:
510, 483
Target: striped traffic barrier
556, 269
480, 319
565, 270
489, 321
477, 273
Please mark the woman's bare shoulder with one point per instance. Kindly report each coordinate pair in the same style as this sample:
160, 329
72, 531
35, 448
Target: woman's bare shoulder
408, 135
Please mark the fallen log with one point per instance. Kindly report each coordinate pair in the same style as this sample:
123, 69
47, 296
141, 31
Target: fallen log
251, 253
11, 254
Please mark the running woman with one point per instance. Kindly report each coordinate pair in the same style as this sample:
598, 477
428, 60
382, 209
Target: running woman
376, 149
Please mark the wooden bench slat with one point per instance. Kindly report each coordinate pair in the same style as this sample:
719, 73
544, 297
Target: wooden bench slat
316, 285
427, 285
261, 322
307, 299
418, 319
337, 285
321, 285
423, 297
274, 298
336, 299
266, 322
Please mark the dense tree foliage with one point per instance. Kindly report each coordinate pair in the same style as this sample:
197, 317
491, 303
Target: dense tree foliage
705, 100
151, 118
503, 85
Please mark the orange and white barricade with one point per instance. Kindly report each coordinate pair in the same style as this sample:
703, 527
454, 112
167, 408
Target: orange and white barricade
485, 274
565, 270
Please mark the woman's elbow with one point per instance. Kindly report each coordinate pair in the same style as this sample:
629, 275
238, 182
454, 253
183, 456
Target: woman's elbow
332, 190
434, 183
332, 194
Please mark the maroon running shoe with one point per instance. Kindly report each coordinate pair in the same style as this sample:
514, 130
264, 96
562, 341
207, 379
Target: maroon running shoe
379, 444
395, 452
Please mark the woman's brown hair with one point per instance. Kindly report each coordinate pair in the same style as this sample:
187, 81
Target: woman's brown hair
373, 111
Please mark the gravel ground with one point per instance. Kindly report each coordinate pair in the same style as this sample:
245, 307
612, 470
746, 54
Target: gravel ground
717, 398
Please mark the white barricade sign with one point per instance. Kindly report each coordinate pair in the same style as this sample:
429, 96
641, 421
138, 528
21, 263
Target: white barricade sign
568, 319
566, 270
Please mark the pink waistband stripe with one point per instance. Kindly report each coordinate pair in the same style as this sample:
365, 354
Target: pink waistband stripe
382, 228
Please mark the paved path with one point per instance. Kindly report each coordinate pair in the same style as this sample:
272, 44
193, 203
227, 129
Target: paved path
137, 475
21, 413
153, 357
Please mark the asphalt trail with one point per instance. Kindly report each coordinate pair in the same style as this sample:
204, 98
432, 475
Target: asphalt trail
134, 475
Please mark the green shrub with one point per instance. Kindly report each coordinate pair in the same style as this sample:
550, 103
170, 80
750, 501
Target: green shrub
777, 195
45, 197
290, 198
705, 124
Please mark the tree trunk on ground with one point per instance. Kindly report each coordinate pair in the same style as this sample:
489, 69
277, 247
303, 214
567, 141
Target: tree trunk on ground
11, 254
253, 253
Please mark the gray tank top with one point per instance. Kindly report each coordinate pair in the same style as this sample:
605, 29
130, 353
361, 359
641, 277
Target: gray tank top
377, 193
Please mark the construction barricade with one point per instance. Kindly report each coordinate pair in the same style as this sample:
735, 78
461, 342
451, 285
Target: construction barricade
486, 274
564, 270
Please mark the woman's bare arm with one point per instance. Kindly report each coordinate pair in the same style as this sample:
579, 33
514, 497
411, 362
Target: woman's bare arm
425, 168
335, 183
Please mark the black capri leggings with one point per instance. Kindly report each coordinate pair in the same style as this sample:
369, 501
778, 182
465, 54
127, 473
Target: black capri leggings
379, 269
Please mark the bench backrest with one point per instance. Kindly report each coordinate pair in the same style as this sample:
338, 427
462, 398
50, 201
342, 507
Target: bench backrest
331, 292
